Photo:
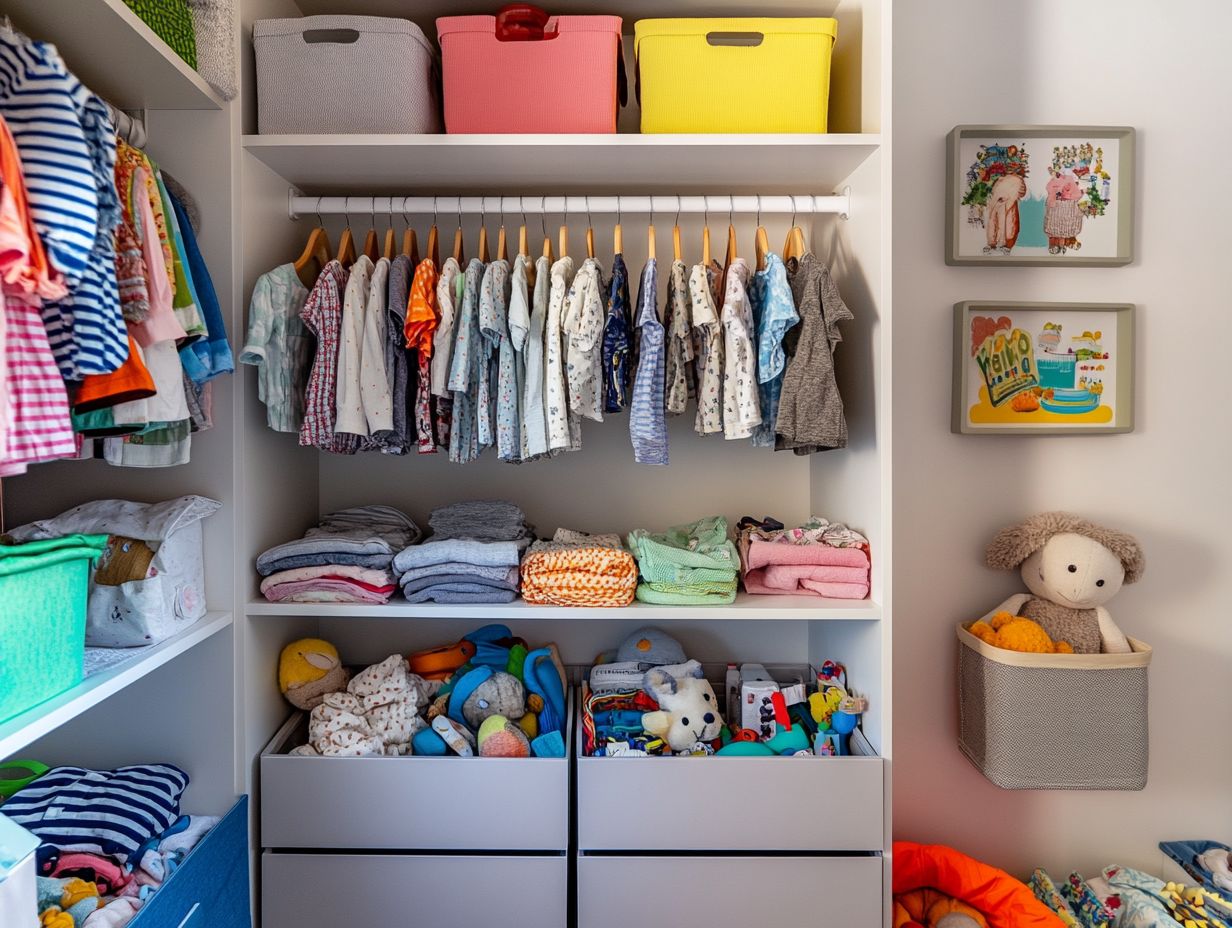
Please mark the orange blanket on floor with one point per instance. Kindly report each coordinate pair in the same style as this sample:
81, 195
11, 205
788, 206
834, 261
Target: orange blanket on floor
1005, 901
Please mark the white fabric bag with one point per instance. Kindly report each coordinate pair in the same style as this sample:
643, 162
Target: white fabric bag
170, 597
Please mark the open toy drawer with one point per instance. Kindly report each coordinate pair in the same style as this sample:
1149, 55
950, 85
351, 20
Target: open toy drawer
802, 804
411, 803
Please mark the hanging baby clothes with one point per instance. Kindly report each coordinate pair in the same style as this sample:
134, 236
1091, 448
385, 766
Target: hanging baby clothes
214, 350
421, 305
679, 375
466, 372
741, 410
322, 314
534, 414
350, 403
491, 319
617, 339
494, 322
708, 347
647, 427
810, 417
583, 330
774, 313
442, 352
397, 357
184, 303
555, 393
374, 381
278, 346
519, 329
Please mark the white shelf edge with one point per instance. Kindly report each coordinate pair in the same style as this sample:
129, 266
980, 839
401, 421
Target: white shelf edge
37, 721
609, 140
746, 609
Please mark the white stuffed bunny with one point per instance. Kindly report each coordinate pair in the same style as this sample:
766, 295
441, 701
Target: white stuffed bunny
688, 711
1072, 567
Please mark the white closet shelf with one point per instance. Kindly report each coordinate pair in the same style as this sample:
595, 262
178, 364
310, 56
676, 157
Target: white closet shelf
114, 53
746, 608
399, 164
46, 717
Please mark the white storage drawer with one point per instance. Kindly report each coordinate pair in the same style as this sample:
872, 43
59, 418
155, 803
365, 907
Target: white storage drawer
411, 803
332, 890
730, 803
729, 892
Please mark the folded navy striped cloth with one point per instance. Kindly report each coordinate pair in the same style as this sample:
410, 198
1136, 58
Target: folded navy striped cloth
107, 812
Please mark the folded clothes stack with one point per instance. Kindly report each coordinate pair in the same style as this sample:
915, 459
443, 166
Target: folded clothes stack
819, 558
110, 839
347, 558
577, 569
692, 564
472, 556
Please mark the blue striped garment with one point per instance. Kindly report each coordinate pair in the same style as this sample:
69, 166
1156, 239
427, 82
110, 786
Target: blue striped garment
647, 428
107, 812
43, 105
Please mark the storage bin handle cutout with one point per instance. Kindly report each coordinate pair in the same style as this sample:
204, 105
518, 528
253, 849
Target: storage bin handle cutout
737, 39
330, 36
522, 22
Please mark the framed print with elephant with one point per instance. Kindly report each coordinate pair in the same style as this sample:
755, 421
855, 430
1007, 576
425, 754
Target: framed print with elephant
1043, 368
1039, 195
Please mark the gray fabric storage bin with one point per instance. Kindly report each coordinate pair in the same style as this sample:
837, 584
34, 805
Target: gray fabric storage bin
345, 74
1054, 721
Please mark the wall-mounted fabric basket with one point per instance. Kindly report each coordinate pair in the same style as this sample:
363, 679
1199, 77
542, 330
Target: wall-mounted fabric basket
1054, 721
345, 74
734, 75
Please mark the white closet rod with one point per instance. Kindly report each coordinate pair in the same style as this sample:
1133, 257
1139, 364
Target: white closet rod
839, 204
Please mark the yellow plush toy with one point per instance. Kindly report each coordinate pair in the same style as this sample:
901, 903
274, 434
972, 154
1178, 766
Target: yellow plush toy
1016, 633
307, 670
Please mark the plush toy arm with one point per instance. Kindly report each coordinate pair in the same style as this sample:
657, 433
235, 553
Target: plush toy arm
656, 723
1011, 605
1113, 640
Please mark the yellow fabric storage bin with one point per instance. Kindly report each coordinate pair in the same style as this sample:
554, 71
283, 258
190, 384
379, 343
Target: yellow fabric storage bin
734, 75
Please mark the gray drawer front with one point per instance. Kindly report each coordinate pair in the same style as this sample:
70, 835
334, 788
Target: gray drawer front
844, 891
412, 803
771, 803
332, 890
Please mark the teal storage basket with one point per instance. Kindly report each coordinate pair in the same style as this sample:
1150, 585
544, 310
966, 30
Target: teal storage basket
172, 21
44, 586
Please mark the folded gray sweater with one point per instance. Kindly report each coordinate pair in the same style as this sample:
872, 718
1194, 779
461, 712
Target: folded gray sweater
364, 530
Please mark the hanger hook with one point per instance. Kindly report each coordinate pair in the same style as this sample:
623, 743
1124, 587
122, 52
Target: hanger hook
759, 209
543, 214
406, 216
372, 210
458, 201
522, 209
793, 210
483, 211
434, 209
320, 221
589, 222
677, 222
651, 208
706, 208
619, 202
730, 206
346, 210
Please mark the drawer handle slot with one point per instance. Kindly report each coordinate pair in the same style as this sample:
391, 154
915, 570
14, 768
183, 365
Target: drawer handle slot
737, 39
191, 912
331, 36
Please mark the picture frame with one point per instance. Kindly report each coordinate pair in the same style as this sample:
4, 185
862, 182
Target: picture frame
1026, 196
1024, 368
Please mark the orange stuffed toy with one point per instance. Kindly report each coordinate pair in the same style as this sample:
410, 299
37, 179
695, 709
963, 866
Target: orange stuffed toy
1017, 633
930, 908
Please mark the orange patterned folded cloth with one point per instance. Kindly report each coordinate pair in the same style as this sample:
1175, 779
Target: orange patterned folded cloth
575, 569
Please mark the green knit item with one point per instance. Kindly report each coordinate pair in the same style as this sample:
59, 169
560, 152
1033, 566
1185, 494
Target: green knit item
43, 591
172, 22
646, 594
686, 554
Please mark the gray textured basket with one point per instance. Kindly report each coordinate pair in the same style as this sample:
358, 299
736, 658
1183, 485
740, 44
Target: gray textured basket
1054, 721
345, 74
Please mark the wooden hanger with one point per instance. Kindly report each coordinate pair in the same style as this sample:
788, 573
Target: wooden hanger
562, 238
434, 245
410, 246
794, 247
346, 245
761, 242
522, 244
502, 249
459, 251
618, 235
391, 237
706, 237
370, 246
677, 254
484, 254
731, 245
590, 232
308, 266
650, 242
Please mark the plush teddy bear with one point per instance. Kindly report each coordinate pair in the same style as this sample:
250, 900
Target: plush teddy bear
1072, 567
688, 711
1015, 633
307, 670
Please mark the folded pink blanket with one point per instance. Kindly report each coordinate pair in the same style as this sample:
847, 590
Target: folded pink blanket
323, 590
334, 571
754, 582
787, 576
763, 553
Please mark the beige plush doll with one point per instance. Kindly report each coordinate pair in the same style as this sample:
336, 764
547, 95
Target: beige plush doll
688, 711
1072, 567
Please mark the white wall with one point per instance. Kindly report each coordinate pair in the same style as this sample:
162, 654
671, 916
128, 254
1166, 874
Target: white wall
1164, 70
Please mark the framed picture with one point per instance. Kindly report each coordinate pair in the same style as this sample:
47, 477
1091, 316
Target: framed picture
1043, 368
1029, 195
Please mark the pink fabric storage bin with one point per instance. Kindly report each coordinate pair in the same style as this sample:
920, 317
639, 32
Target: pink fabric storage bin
525, 72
